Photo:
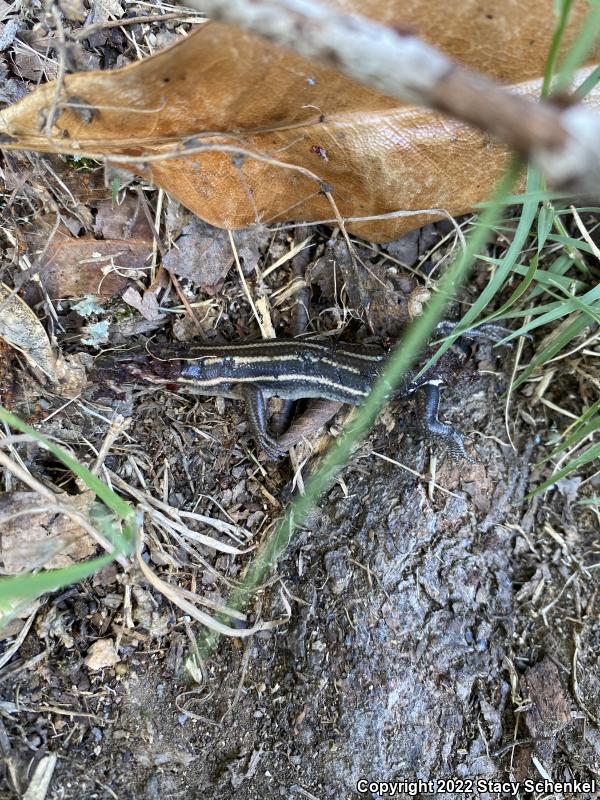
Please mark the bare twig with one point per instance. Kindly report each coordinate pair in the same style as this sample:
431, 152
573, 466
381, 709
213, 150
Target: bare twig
60, 78
183, 16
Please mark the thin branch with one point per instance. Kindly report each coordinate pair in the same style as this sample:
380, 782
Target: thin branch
183, 16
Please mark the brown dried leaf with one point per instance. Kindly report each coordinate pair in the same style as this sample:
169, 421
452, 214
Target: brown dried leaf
77, 266
31, 66
20, 328
146, 304
48, 539
223, 87
250, 244
123, 220
203, 253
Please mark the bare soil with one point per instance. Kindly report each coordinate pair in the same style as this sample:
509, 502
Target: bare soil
420, 646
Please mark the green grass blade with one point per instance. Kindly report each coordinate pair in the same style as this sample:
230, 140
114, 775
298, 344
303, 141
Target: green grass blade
588, 84
25, 588
501, 274
576, 244
557, 272
529, 196
581, 48
543, 278
591, 454
532, 311
589, 501
519, 291
577, 436
586, 304
561, 341
587, 423
545, 222
564, 11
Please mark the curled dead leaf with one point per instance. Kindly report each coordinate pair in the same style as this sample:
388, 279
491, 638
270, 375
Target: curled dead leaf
241, 131
30, 538
21, 329
71, 375
146, 303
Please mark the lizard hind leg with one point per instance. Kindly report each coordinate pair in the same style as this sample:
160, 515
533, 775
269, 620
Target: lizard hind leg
490, 332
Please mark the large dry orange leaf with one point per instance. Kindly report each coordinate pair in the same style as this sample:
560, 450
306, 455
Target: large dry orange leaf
221, 86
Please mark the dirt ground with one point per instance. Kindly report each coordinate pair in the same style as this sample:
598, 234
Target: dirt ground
430, 637
433, 624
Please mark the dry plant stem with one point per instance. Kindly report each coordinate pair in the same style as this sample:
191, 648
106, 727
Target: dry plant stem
157, 243
300, 317
117, 426
149, 504
61, 70
562, 143
183, 15
173, 594
263, 332
426, 479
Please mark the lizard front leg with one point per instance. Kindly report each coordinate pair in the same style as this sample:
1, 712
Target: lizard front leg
256, 411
